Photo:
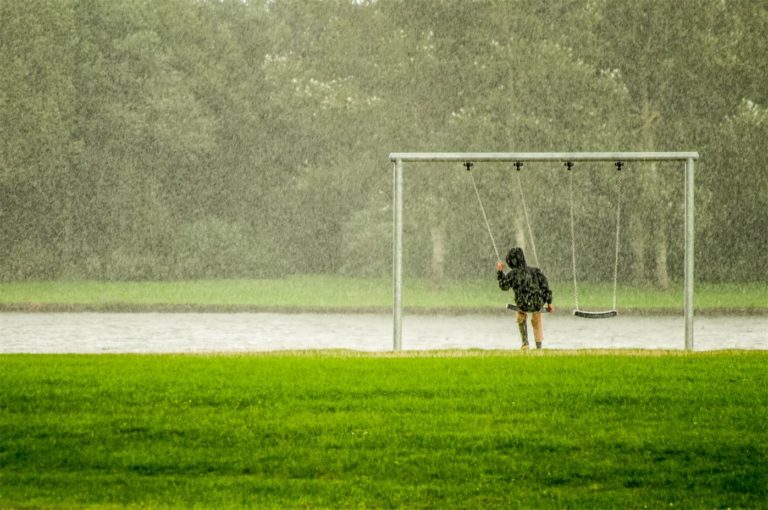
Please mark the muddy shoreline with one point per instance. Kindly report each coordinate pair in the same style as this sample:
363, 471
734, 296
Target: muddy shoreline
450, 311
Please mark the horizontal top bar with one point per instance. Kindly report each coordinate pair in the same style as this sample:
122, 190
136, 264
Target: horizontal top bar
542, 156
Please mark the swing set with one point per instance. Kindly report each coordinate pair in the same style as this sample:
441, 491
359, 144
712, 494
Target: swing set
517, 159
577, 311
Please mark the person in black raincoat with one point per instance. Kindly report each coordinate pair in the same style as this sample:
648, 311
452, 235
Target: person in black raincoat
532, 293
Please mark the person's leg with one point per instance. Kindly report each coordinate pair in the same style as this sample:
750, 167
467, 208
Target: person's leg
538, 328
522, 324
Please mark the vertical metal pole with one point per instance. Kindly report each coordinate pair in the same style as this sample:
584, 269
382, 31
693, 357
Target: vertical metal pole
689, 235
397, 256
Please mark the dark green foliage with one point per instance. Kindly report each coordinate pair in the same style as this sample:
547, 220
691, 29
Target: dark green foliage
137, 138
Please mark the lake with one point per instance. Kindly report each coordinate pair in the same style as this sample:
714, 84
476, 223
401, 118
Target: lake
259, 332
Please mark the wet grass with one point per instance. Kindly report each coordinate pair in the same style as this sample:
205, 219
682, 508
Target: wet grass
465, 429
318, 293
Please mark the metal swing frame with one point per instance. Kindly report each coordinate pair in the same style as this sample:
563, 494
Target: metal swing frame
400, 158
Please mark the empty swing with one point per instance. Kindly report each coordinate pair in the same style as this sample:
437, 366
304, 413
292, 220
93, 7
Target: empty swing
577, 311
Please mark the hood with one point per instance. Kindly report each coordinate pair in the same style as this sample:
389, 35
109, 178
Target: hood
516, 259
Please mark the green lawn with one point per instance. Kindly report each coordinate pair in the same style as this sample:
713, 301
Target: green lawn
338, 293
344, 430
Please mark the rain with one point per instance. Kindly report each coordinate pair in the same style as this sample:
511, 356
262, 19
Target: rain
229, 141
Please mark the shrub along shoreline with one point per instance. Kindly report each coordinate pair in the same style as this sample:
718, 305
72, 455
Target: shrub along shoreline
331, 294
203, 308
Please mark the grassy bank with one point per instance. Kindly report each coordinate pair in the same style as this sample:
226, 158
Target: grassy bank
476, 430
337, 293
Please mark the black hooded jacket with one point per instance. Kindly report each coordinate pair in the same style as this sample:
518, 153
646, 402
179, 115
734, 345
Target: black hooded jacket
531, 288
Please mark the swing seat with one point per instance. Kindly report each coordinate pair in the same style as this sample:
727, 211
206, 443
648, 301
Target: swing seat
514, 308
596, 315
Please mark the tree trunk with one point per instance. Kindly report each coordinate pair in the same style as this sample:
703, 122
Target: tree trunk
637, 247
660, 246
654, 226
437, 262
519, 237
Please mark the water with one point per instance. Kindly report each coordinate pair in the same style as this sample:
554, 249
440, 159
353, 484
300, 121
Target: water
258, 332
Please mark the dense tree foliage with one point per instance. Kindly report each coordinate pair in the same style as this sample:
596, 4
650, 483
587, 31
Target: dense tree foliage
176, 139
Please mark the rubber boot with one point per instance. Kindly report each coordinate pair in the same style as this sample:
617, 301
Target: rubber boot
538, 345
524, 334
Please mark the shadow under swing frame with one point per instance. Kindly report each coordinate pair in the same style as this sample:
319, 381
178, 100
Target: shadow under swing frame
399, 158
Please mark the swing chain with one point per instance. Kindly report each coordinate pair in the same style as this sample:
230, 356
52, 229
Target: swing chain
469, 165
619, 191
518, 164
569, 164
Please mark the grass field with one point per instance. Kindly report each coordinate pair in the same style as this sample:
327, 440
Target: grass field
337, 293
343, 430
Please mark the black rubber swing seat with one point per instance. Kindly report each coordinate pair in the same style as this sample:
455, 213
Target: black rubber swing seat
514, 308
596, 315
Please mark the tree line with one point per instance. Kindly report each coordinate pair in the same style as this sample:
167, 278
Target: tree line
178, 139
